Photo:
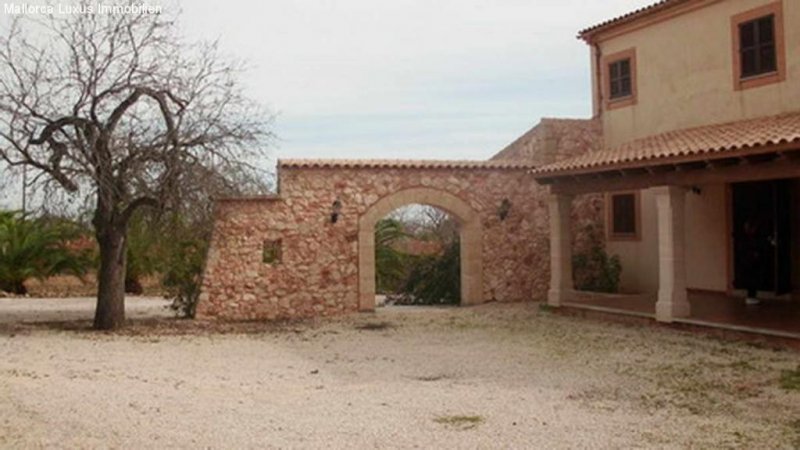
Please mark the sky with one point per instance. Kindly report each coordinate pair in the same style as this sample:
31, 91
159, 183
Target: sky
442, 79
412, 79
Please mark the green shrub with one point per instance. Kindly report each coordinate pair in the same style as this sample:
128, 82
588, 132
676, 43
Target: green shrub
182, 274
594, 269
436, 279
790, 379
144, 250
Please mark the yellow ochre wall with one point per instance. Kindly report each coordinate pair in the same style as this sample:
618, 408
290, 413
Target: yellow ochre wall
685, 73
685, 78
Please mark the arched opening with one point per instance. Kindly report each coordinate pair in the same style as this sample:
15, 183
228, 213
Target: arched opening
417, 257
469, 241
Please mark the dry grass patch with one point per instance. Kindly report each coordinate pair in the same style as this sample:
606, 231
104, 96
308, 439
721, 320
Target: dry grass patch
790, 379
460, 422
375, 326
429, 378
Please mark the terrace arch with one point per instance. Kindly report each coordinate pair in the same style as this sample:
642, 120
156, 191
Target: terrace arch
469, 231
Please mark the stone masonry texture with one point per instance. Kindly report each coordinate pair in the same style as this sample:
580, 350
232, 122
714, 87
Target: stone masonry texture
318, 274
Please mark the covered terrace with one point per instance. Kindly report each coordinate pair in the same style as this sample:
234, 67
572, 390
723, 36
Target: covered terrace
755, 163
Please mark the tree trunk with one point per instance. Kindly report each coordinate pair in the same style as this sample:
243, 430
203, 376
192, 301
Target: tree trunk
19, 288
14, 287
110, 312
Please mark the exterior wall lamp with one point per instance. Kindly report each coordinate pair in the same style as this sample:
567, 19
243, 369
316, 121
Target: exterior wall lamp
504, 209
336, 210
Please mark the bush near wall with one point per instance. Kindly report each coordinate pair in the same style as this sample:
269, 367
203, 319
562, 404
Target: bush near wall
435, 279
594, 270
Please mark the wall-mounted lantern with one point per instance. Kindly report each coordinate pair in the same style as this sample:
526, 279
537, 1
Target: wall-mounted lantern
504, 209
336, 210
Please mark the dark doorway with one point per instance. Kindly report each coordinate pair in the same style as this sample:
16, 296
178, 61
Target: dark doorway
762, 235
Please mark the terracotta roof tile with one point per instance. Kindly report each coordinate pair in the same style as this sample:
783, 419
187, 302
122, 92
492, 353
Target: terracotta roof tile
399, 164
711, 141
633, 15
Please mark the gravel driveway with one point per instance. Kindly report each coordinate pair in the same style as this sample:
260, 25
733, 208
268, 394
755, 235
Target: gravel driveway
492, 376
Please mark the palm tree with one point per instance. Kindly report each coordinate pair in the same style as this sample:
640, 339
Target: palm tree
37, 248
436, 279
389, 264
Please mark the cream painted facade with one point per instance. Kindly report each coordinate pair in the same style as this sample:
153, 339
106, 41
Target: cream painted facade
684, 68
685, 73
706, 246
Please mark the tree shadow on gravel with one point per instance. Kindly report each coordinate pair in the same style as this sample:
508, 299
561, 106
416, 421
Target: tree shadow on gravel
161, 327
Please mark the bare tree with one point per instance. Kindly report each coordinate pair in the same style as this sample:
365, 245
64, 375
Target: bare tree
441, 224
120, 108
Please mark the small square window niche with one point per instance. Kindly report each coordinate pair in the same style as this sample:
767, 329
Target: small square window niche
272, 251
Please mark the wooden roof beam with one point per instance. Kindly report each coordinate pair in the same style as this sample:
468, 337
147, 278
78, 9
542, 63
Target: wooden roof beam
790, 155
722, 163
774, 169
760, 159
662, 169
689, 166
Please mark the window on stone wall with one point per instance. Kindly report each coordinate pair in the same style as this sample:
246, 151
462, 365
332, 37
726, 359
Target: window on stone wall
623, 215
272, 251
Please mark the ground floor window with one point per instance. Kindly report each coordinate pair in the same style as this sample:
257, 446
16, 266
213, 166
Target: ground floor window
623, 215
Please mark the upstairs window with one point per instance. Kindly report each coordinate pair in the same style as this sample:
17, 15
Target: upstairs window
620, 78
757, 47
619, 72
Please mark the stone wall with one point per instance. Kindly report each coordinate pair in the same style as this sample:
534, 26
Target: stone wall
319, 273
553, 140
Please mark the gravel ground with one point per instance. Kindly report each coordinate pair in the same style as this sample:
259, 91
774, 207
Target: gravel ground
509, 376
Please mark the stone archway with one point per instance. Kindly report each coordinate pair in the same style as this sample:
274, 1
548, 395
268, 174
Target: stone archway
326, 266
470, 241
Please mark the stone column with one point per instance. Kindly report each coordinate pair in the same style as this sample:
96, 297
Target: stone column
366, 269
471, 263
673, 301
561, 284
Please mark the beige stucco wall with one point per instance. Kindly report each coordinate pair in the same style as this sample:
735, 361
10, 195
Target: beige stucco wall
706, 248
685, 78
639, 257
706, 236
796, 237
685, 73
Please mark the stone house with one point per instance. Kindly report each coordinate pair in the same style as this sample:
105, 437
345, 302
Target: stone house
695, 132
